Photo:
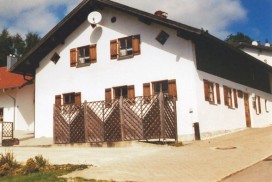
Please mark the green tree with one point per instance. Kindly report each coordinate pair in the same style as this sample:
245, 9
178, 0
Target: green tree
5, 46
239, 37
16, 45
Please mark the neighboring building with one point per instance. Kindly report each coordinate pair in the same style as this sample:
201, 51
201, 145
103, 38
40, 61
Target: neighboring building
261, 52
133, 53
16, 100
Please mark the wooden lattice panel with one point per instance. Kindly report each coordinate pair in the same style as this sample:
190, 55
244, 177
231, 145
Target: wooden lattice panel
77, 126
7, 130
112, 123
151, 120
133, 127
169, 117
94, 122
61, 127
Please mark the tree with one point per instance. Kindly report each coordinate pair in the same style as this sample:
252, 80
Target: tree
5, 46
15, 45
239, 37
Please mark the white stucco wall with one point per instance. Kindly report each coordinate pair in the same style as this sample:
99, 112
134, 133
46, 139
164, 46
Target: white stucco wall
262, 55
22, 113
173, 60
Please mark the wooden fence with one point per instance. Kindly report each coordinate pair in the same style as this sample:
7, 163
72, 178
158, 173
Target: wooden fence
7, 130
140, 118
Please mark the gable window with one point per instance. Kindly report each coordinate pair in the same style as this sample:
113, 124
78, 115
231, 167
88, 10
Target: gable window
68, 98
164, 86
125, 47
83, 56
230, 97
211, 92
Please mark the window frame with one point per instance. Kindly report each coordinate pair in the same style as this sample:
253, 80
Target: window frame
212, 92
134, 47
88, 59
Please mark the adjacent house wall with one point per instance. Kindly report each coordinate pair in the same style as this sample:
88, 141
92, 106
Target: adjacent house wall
22, 110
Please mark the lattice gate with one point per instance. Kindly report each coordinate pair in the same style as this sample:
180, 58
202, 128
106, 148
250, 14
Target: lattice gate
140, 118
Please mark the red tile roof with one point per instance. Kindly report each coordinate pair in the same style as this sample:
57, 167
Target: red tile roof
10, 80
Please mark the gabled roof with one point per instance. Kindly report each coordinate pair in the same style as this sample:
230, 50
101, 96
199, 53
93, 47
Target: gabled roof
10, 80
28, 64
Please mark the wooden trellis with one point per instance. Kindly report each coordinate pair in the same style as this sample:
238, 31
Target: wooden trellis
140, 118
7, 130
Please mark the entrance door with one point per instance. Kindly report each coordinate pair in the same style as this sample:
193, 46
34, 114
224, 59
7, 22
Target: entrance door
247, 110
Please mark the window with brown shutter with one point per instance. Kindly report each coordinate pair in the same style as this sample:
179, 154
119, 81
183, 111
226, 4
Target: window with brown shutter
218, 93
93, 53
131, 92
235, 98
58, 100
113, 49
108, 97
136, 44
73, 57
78, 98
172, 88
259, 105
125, 47
206, 90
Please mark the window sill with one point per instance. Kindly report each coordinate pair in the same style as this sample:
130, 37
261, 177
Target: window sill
83, 65
125, 57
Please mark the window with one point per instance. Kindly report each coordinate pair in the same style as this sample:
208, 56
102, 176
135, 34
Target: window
211, 91
123, 91
125, 47
165, 86
230, 97
162, 37
83, 55
1, 114
68, 98
257, 104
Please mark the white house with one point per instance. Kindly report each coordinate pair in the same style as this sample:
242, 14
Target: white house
131, 53
261, 52
16, 100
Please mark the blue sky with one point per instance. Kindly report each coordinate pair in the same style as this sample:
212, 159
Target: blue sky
219, 17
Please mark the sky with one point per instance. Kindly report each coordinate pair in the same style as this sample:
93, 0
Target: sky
220, 17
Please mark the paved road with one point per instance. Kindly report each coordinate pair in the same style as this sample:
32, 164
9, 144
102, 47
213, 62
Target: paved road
209, 160
262, 171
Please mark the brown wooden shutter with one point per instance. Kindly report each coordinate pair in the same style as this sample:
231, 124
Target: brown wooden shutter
131, 92
78, 98
146, 89
259, 104
108, 95
57, 100
206, 90
73, 57
235, 98
113, 49
136, 45
93, 53
172, 88
226, 95
218, 93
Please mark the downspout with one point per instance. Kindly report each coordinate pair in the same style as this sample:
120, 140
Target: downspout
14, 107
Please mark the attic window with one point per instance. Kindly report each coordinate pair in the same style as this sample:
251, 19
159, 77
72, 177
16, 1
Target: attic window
82, 56
162, 37
125, 47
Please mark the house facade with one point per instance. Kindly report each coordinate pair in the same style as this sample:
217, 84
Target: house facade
130, 54
16, 100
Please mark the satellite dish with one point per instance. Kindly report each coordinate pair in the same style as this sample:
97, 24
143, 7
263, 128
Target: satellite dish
94, 17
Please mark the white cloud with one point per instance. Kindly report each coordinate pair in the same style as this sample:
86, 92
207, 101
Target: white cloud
212, 15
32, 16
41, 15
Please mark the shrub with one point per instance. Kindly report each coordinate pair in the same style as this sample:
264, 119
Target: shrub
40, 161
31, 166
9, 159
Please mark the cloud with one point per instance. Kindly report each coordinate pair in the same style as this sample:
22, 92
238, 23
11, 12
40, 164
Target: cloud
33, 16
42, 15
212, 15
